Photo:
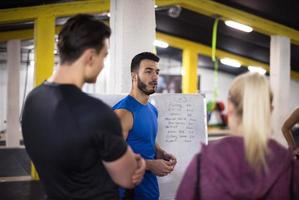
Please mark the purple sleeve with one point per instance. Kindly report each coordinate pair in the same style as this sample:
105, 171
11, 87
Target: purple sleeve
296, 179
187, 187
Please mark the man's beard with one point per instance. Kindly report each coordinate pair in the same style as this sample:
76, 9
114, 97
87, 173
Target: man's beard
142, 86
91, 80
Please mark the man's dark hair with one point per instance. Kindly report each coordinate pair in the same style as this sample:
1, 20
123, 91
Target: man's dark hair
80, 33
139, 57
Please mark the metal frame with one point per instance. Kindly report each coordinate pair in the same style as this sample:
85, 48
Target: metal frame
211, 8
172, 40
57, 10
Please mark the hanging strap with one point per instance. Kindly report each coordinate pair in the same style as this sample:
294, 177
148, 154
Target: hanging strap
215, 61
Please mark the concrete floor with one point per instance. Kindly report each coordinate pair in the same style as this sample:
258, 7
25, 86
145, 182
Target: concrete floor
15, 179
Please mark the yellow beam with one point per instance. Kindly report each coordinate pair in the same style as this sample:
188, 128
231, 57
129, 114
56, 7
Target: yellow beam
189, 78
161, 3
21, 34
212, 8
206, 7
207, 50
172, 40
58, 10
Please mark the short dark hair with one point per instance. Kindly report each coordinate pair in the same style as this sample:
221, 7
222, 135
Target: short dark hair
139, 57
80, 33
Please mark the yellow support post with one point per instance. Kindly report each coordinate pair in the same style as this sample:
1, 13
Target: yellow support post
44, 38
189, 78
34, 174
295, 75
44, 35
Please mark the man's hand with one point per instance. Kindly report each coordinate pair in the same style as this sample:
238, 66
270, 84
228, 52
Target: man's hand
139, 172
170, 157
160, 167
296, 152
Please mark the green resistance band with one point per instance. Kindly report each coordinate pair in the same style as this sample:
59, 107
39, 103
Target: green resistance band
215, 61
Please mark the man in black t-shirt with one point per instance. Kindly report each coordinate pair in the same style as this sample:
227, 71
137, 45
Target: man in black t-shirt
74, 140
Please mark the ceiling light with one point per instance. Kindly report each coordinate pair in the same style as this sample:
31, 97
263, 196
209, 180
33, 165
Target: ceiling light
175, 11
161, 44
230, 62
238, 26
108, 14
31, 46
156, 6
257, 69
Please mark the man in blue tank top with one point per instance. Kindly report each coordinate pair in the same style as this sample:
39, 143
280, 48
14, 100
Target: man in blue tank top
139, 123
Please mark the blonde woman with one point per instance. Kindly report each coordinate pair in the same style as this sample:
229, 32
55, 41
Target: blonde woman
248, 164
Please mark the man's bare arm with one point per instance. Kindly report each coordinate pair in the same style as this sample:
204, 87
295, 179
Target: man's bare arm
287, 128
126, 119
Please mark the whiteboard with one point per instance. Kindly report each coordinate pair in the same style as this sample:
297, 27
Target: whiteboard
182, 128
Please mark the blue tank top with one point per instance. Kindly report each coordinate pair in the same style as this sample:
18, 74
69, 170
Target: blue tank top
142, 140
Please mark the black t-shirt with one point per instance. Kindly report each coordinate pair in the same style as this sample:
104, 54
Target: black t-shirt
67, 134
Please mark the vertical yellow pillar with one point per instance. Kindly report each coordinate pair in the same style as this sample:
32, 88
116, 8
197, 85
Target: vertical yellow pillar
44, 33
189, 78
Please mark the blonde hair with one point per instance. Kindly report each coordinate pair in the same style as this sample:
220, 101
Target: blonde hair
251, 96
